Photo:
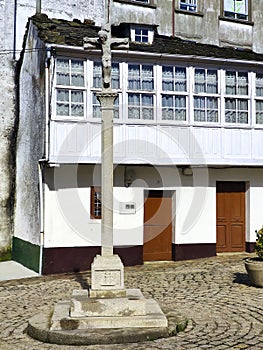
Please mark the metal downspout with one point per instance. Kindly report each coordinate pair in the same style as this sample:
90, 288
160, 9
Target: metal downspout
41, 162
14, 43
173, 17
41, 214
38, 6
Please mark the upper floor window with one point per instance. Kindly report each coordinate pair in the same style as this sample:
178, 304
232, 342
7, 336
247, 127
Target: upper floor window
173, 101
141, 34
140, 103
237, 9
188, 5
173, 78
205, 107
70, 93
236, 107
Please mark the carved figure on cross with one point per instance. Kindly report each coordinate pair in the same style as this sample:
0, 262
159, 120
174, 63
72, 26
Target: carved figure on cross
105, 41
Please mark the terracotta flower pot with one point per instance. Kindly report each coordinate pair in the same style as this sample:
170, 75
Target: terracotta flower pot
254, 267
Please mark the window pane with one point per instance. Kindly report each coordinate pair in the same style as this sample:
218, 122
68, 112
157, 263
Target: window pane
242, 83
230, 83
63, 72
134, 77
62, 95
96, 106
77, 73
62, 109
180, 79
167, 78
116, 108
259, 112
188, 5
236, 111
147, 78
259, 84
115, 76
77, 96
199, 80
97, 75
236, 9
206, 109
62, 103
211, 81
77, 110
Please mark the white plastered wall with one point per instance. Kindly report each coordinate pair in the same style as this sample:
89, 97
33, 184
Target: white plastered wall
68, 222
195, 215
67, 209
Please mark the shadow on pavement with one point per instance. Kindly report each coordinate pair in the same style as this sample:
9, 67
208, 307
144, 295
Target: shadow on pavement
242, 278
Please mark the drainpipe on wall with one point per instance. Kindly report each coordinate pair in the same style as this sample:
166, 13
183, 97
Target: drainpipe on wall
47, 99
14, 43
173, 17
41, 214
38, 6
41, 162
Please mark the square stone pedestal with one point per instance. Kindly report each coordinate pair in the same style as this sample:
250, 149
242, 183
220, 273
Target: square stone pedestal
107, 277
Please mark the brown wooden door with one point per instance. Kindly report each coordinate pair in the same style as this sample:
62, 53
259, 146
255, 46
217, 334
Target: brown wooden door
230, 207
157, 226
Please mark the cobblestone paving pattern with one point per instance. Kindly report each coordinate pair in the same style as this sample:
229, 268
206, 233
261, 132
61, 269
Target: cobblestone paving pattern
223, 309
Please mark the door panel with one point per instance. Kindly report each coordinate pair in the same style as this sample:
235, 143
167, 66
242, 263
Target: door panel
236, 235
230, 199
221, 236
157, 227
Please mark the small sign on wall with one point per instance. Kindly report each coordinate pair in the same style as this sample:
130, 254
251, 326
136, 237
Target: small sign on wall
127, 208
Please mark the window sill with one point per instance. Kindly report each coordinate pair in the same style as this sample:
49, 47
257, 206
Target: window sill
136, 3
198, 14
68, 119
234, 20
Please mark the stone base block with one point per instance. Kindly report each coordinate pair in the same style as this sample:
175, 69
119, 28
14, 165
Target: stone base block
62, 318
133, 304
108, 293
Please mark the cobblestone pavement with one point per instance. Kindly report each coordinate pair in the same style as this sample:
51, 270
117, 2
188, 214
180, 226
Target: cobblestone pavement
223, 309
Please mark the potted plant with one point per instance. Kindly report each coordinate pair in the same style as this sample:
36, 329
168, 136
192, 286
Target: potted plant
254, 266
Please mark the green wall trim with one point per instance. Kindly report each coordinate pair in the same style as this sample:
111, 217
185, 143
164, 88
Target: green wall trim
26, 253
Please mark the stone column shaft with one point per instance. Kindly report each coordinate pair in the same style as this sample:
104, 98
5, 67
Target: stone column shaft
106, 99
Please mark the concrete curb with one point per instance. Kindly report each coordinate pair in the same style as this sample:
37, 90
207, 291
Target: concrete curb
38, 328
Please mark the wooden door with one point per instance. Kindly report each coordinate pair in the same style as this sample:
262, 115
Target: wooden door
157, 226
230, 207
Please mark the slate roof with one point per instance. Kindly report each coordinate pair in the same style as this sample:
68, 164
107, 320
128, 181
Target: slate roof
71, 33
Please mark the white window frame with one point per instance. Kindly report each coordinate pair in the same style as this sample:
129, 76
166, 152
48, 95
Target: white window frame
142, 92
233, 13
238, 98
206, 95
173, 93
188, 5
69, 88
138, 32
